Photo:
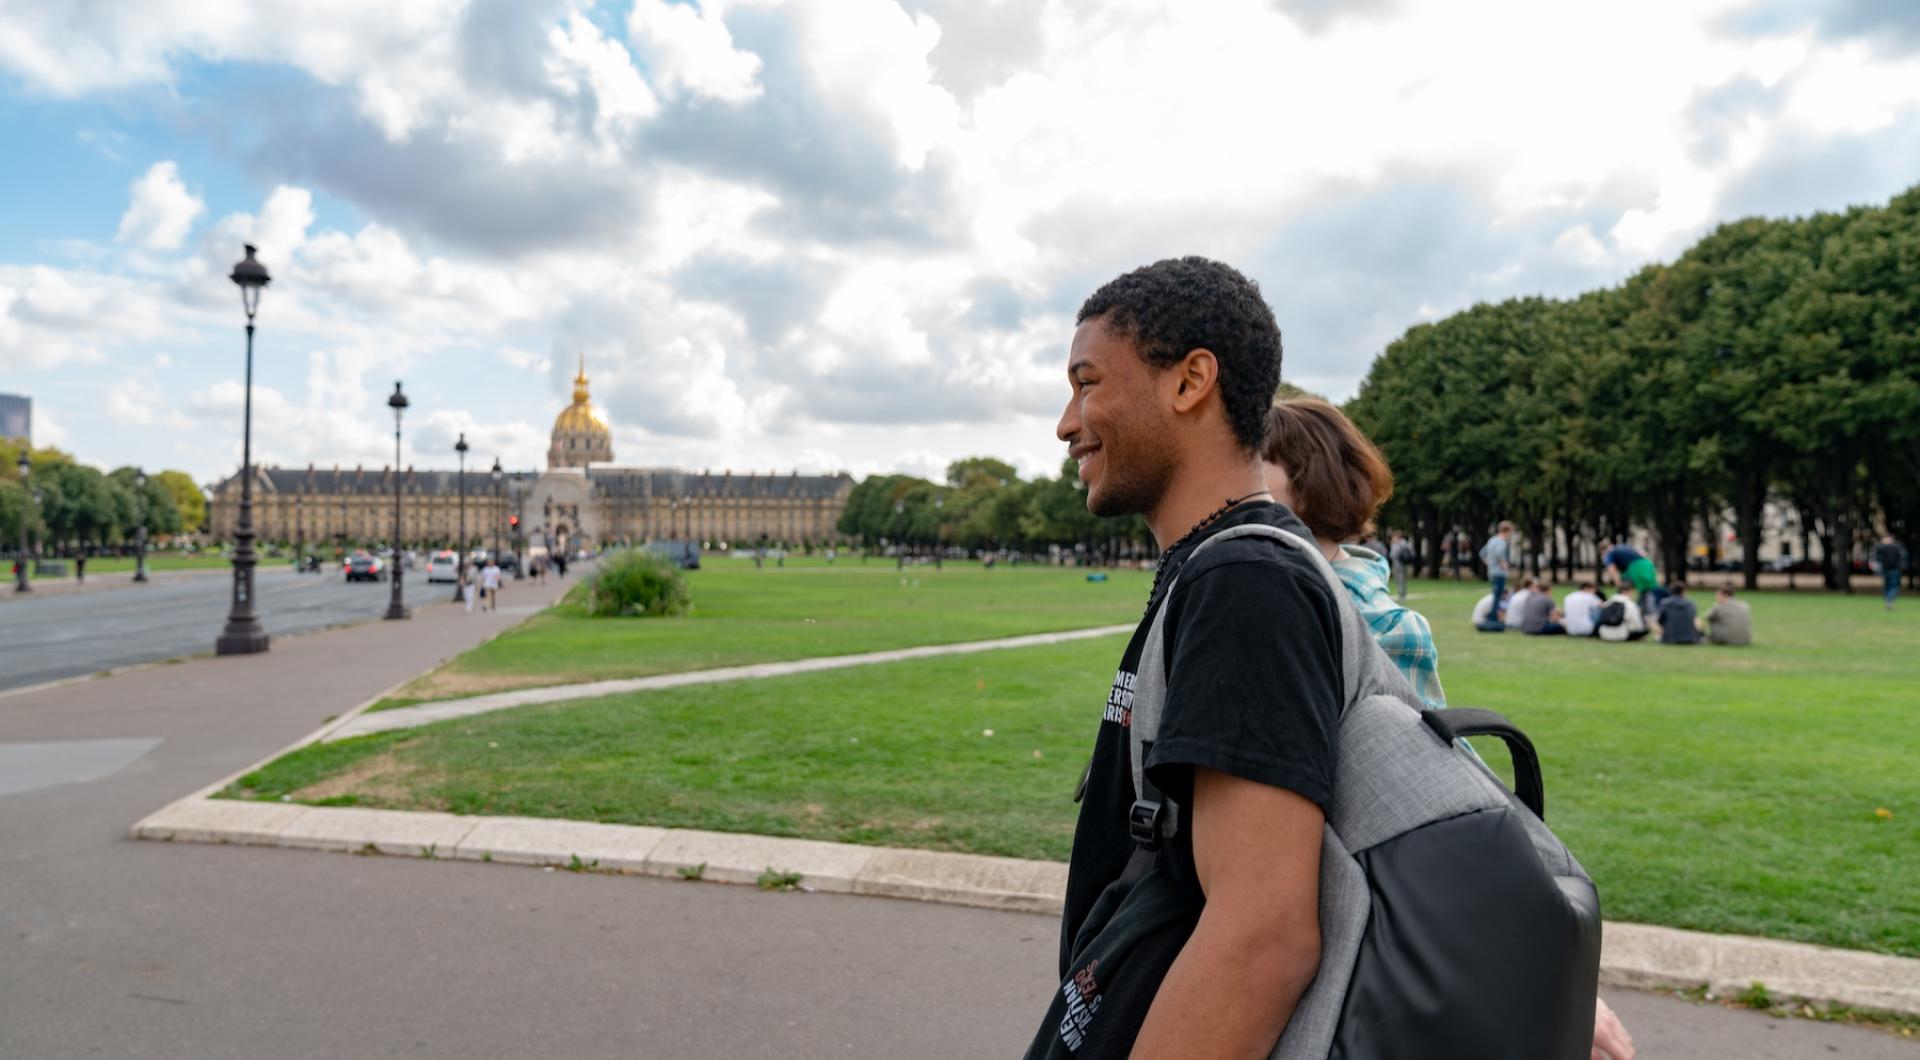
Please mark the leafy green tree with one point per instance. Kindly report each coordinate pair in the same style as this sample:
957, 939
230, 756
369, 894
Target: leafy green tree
189, 501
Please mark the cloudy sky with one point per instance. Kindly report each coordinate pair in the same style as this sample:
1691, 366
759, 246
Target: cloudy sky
842, 234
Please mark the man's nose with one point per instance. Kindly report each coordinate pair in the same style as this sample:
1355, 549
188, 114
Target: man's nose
1069, 424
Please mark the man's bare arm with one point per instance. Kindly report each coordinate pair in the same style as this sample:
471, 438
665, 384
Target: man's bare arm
1235, 984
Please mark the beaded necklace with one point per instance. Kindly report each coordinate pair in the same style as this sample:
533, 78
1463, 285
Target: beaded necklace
1166, 557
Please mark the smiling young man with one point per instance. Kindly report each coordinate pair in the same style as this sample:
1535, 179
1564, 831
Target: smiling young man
1173, 368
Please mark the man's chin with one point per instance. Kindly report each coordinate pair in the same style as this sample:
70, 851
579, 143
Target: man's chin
1108, 504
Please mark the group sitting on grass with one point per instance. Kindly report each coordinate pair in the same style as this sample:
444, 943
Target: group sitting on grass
1587, 612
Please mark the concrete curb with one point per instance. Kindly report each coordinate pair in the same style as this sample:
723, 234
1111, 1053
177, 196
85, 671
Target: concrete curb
445, 709
1636, 955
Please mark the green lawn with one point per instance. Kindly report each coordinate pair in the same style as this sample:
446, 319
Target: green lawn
742, 615
1719, 789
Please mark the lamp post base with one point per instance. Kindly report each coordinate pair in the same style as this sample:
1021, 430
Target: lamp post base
238, 639
396, 611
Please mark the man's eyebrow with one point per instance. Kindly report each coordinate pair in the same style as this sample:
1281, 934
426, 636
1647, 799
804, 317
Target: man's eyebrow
1075, 366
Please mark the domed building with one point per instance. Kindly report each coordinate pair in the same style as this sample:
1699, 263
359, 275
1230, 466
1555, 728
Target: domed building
580, 436
579, 501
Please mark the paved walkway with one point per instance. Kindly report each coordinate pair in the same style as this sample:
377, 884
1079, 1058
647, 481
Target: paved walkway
441, 710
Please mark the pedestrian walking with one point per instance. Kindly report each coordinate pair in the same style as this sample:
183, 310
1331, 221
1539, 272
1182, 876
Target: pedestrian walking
80, 568
1890, 560
490, 583
1497, 554
1211, 954
1400, 557
466, 586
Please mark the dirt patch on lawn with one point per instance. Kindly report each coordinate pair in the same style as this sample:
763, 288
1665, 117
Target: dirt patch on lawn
383, 778
454, 684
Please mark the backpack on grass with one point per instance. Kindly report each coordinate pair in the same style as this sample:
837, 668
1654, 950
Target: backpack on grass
1452, 922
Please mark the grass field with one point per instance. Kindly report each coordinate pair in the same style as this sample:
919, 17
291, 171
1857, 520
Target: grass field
741, 615
1733, 790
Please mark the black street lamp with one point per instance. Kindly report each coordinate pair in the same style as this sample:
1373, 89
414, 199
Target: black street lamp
243, 634
397, 401
460, 570
499, 510
26, 468
140, 536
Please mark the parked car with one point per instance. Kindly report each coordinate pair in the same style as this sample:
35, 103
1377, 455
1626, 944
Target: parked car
365, 567
444, 567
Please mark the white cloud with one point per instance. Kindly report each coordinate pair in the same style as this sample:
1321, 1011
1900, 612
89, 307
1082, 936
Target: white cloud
690, 51
795, 231
162, 210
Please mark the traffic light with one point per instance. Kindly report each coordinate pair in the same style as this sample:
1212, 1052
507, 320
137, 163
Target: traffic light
513, 520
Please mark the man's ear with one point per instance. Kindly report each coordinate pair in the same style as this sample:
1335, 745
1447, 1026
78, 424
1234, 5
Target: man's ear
1194, 377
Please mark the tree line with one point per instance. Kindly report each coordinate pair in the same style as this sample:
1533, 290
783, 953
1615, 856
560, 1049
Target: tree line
1775, 360
984, 504
81, 507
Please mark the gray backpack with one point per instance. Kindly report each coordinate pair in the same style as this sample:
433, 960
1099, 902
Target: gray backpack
1452, 922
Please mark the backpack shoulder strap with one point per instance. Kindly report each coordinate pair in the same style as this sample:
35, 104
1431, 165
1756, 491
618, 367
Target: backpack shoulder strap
1154, 817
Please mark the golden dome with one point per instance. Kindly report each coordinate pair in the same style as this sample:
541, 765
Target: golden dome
580, 436
579, 417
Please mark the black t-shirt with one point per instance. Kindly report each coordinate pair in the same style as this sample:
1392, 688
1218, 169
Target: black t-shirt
1253, 689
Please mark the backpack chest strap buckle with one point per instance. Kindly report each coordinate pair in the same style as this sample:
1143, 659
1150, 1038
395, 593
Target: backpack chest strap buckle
1144, 822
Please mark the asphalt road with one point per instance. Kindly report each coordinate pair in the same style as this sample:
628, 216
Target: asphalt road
49, 636
113, 947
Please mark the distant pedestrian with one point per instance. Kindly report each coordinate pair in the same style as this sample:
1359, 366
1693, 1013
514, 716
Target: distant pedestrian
1620, 620
466, 586
1581, 609
490, 583
80, 569
1890, 559
1677, 618
560, 563
1728, 621
1497, 554
1538, 617
1633, 569
1400, 556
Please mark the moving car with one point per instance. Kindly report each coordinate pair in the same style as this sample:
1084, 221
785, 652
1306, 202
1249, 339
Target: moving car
365, 567
444, 567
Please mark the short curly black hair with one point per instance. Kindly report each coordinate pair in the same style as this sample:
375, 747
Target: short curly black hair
1172, 307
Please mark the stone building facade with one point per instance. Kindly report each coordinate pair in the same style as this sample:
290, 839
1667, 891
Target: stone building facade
580, 500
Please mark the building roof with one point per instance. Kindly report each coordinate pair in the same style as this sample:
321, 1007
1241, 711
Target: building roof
622, 482
667, 484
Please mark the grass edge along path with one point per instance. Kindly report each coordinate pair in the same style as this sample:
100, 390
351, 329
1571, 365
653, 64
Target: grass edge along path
1689, 781
742, 616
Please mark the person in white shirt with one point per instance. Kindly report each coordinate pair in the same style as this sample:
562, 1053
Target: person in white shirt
1486, 614
1632, 625
490, 583
1582, 611
1510, 614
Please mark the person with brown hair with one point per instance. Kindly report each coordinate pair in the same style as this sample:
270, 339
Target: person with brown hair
1334, 478
1322, 466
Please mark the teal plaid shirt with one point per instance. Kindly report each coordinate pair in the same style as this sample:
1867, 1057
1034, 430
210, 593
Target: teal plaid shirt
1402, 633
